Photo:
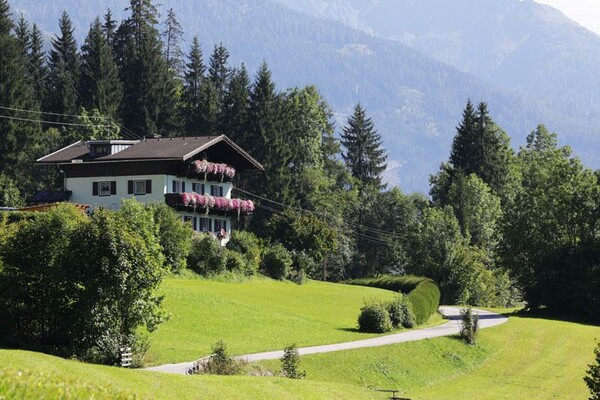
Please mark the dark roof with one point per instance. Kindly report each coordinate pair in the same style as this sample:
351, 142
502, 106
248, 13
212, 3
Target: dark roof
175, 148
49, 196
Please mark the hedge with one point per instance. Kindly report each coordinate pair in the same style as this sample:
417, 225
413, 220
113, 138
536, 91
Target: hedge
423, 293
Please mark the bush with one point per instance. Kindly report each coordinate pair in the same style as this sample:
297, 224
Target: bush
220, 363
301, 263
206, 256
425, 300
174, 235
374, 318
469, 325
248, 245
592, 380
277, 262
400, 312
422, 293
290, 363
235, 262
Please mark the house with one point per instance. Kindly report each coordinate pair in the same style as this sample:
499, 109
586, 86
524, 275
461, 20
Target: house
191, 174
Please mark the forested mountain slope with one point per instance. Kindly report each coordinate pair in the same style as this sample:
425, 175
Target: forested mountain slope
416, 101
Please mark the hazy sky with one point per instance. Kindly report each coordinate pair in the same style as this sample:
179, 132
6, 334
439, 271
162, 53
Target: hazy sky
584, 12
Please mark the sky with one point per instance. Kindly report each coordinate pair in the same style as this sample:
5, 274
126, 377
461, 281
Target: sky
585, 12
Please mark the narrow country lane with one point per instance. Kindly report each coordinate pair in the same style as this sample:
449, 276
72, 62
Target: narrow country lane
486, 319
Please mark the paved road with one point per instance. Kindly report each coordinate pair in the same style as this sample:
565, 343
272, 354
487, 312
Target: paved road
486, 319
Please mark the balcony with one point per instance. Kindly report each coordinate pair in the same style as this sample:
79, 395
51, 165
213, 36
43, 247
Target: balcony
206, 204
207, 171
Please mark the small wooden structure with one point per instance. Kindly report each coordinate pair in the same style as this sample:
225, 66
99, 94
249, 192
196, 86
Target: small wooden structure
126, 356
394, 393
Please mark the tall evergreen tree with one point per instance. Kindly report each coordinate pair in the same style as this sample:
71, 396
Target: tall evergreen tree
172, 36
218, 71
22, 33
16, 138
364, 154
109, 27
461, 155
208, 109
149, 104
234, 113
101, 87
37, 64
261, 124
64, 74
193, 78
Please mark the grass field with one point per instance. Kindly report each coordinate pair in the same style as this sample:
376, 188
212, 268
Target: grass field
254, 316
27, 375
526, 358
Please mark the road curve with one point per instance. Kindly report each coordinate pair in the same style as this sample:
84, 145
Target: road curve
452, 327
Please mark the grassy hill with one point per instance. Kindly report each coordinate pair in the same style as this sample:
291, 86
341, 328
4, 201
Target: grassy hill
528, 357
255, 316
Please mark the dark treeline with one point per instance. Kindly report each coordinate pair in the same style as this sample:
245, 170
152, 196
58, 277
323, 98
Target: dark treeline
500, 224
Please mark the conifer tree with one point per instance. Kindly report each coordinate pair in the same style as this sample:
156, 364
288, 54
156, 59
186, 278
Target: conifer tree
193, 78
64, 74
208, 109
172, 36
234, 113
37, 64
461, 155
149, 103
218, 71
109, 28
261, 124
364, 155
23, 35
101, 87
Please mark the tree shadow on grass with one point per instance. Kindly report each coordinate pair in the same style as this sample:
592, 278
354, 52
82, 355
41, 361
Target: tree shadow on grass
355, 330
546, 313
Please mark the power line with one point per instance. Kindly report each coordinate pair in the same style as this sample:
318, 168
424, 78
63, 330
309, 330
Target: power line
50, 122
50, 113
102, 118
358, 234
350, 224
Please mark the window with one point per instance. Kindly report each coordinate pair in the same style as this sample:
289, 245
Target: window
139, 186
187, 219
178, 186
198, 188
204, 224
216, 190
104, 188
220, 224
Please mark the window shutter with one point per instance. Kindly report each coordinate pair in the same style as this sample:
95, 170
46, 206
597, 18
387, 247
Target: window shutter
225, 225
209, 224
174, 187
129, 187
195, 223
183, 186
221, 191
95, 189
113, 187
148, 186
202, 188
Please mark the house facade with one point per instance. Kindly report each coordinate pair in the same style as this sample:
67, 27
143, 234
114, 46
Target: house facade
193, 175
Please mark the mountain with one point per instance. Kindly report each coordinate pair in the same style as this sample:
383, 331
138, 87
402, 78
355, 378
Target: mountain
415, 100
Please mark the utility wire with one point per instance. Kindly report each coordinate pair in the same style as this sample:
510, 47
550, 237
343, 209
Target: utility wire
50, 122
350, 224
358, 234
102, 118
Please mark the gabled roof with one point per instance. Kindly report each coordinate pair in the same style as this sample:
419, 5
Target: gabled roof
151, 149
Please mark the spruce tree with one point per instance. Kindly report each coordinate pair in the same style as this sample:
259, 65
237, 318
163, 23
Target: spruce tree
23, 36
172, 36
37, 64
208, 109
364, 155
261, 124
149, 103
219, 72
64, 74
101, 87
193, 78
234, 113
109, 28
461, 155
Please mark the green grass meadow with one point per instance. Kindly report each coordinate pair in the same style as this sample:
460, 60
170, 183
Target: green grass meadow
529, 357
254, 316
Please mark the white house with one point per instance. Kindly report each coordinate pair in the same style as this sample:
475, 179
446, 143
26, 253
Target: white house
191, 174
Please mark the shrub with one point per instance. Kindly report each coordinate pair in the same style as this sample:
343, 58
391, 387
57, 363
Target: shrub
235, 262
206, 256
301, 263
422, 293
374, 318
401, 313
290, 363
469, 325
425, 300
174, 235
277, 262
592, 380
247, 244
220, 363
